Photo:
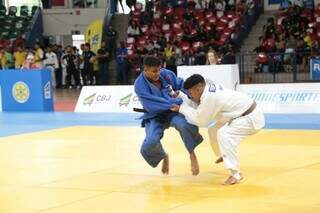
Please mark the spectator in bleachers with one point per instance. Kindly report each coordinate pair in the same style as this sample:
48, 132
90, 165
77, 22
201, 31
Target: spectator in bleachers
150, 46
211, 5
201, 35
220, 5
87, 56
57, 49
95, 71
230, 5
298, 3
39, 55
308, 39
212, 57
169, 57
103, 58
270, 28
133, 29
9, 60
187, 36
30, 63
111, 45
51, 63
19, 57
188, 17
212, 33
200, 56
228, 56
149, 8
123, 66
280, 44
146, 18
178, 55
162, 41
70, 61
188, 58
2, 58
131, 4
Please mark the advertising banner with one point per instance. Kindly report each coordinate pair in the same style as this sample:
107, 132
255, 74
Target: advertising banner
26, 90
107, 99
285, 98
226, 75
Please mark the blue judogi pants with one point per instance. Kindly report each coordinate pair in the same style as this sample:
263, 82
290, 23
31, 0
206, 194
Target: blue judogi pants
151, 148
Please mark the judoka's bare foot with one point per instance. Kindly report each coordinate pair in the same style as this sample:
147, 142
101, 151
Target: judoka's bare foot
219, 160
165, 165
233, 180
194, 164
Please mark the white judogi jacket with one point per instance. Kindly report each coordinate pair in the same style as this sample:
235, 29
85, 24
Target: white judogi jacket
216, 104
51, 60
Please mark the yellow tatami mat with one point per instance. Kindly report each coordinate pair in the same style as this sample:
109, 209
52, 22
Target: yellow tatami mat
99, 169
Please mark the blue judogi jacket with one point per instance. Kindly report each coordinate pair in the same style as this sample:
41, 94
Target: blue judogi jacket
154, 100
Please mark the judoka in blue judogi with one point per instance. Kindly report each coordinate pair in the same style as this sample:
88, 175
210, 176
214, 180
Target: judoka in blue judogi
156, 88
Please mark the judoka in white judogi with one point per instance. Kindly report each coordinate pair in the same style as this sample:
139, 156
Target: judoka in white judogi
236, 116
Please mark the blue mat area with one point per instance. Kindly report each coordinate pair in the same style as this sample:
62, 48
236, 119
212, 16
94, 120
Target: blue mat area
18, 123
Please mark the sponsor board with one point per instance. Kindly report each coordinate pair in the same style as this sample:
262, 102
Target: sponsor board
47, 90
20, 92
107, 99
273, 98
26, 90
315, 69
285, 98
225, 74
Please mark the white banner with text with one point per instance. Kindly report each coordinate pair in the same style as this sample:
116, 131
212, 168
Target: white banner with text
226, 75
285, 98
107, 99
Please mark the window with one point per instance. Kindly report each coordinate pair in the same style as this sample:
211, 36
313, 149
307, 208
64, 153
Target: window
85, 3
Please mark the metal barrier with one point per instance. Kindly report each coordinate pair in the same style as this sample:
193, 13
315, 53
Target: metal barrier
275, 67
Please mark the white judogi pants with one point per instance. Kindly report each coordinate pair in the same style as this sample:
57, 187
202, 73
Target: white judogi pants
225, 137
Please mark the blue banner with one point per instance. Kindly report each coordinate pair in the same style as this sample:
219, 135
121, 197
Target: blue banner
26, 90
315, 69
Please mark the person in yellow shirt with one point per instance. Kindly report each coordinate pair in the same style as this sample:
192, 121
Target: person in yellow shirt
39, 55
19, 57
3, 59
169, 56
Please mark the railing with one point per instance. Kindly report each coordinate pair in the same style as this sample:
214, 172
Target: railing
276, 68
36, 30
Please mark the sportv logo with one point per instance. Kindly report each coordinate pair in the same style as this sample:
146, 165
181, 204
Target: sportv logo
89, 100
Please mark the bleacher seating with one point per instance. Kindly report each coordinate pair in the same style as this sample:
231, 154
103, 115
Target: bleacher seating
187, 26
14, 26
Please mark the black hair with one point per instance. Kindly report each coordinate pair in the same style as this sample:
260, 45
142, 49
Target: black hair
151, 61
193, 80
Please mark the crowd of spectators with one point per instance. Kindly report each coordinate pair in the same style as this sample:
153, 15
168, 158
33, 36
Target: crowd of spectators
179, 32
70, 67
182, 32
291, 36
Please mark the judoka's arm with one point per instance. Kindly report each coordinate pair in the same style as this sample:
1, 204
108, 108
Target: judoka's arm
153, 103
186, 99
203, 114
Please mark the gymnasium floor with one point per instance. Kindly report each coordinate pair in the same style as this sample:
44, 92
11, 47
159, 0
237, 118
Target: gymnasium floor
66, 162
